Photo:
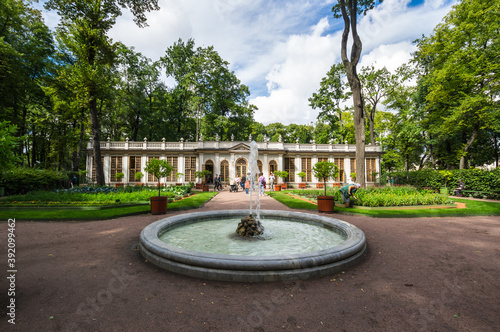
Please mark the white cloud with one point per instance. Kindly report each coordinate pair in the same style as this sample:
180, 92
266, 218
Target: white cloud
386, 33
281, 50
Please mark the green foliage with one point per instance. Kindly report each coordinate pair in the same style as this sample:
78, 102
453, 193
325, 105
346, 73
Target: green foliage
22, 180
8, 142
474, 179
280, 174
459, 91
325, 170
139, 176
302, 175
398, 196
159, 168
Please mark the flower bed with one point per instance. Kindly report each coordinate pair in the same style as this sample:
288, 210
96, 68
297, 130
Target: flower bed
387, 196
89, 196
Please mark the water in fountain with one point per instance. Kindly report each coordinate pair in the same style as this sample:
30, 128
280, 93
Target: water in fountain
253, 171
250, 226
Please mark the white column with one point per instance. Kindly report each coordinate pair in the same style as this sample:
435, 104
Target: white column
347, 169
217, 163
107, 168
181, 166
265, 166
298, 168
125, 168
314, 161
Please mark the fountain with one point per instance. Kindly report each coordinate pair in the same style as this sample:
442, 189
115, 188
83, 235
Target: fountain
295, 245
249, 226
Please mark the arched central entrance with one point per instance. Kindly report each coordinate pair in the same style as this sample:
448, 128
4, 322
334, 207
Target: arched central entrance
209, 166
241, 167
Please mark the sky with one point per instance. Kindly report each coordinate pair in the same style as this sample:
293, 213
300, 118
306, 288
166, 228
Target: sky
280, 49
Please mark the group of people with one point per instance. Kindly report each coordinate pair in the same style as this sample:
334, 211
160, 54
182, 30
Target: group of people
245, 183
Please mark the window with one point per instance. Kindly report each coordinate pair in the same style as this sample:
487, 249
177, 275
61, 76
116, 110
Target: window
190, 169
259, 165
273, 166
340, 164
134, 166
371, 168
306, 168
94, 168
224, 171
290, 168
151, 177
172, 161
116, 167
241, 167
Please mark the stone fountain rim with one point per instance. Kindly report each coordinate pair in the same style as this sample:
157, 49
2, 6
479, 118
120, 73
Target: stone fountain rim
167, 256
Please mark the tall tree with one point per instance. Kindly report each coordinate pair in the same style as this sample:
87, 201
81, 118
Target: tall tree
462, 75
348, 10
331, 94
85, 23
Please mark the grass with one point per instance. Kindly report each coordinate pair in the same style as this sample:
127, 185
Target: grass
474, 208
80, 213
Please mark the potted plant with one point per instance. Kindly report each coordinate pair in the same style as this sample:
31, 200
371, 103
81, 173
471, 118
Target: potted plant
138, 178
302, 175
179, 176
279, 174
159, 168
119, 177
202, 175
324, 170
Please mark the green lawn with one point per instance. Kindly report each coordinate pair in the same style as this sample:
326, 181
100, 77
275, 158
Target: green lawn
83, 213
474, 208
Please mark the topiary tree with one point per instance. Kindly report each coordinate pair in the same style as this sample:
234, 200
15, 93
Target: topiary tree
325, 170
159, 168
138, 176
280, 174
302, 175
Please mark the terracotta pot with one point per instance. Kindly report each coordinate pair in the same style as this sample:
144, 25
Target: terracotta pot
326, 204
277, 187
159, 204
284, 186
206, 187
319, 185
302, 185
198, 185
118, 185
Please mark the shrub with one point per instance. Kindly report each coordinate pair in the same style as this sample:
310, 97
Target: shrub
474, 179
23, 180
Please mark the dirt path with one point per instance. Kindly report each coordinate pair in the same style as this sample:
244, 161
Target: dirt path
423, 274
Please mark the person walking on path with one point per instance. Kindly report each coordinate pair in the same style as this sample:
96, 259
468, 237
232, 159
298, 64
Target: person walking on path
271, 181
347, 191
243, 181
262, 184
217, 182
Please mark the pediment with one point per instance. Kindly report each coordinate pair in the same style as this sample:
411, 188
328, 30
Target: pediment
240, 147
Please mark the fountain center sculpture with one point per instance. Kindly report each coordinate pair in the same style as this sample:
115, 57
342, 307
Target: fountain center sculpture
249, 226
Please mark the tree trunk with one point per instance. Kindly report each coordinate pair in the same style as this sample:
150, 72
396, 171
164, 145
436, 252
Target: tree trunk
467, 146
96, 138
80, 144
355, 84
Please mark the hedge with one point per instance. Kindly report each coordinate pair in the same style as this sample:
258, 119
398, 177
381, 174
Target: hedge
22, 180
474, 179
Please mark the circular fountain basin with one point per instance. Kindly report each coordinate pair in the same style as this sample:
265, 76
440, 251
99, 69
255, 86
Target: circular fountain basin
254, 268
